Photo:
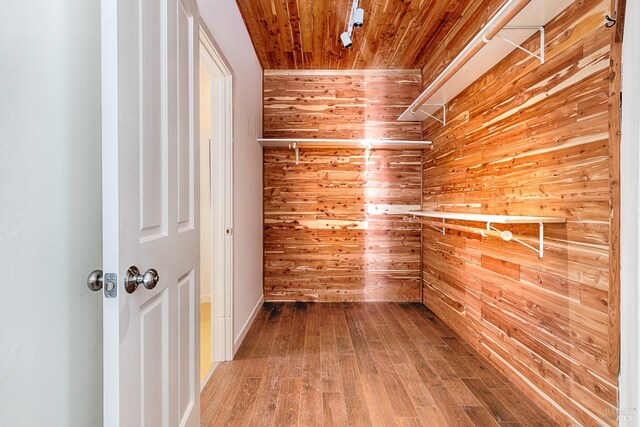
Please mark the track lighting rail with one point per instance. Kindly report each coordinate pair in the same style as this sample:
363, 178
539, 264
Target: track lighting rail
356, 20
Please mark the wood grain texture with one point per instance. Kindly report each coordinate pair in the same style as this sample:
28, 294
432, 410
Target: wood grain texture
350, 105
333, 228
304, 34
373, 364
531, 139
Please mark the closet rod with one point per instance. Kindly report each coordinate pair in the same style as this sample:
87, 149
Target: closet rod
440, 226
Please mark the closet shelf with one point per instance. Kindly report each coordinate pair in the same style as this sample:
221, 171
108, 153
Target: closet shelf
367, 144
490, 230
344, 143
496, 219
511, 26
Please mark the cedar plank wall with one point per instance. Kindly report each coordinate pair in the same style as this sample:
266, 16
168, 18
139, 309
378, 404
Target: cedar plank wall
340, 104
531, 139
333, 228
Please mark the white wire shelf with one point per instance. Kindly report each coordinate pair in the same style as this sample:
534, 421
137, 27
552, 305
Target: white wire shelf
367, 144
496, 219
490, 230
344, 143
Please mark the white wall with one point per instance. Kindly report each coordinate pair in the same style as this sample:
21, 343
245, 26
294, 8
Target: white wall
206, 213
630, 217
50, 207
223, 19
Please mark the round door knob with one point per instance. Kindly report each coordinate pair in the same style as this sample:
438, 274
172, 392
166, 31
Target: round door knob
94, 281
133, 279
150, 278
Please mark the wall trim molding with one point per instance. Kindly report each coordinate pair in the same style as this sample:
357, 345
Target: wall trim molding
221, 160
629, 377
207, 377
245, 328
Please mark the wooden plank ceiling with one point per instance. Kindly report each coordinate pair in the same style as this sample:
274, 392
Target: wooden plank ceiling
401, 34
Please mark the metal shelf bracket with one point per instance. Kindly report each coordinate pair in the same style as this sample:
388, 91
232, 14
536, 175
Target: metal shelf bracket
295, 147
539, 250
540, 57
367, 153
443, 121
441, 230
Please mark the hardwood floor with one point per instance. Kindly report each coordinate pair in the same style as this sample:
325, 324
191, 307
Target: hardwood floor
360, 364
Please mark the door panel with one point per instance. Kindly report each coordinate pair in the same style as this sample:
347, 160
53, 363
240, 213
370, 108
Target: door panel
187, 343
186, 149
150, 212
154, 338
152, 23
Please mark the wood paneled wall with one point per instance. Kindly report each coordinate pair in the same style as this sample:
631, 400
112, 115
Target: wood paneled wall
340, 104
333, 228
531, 139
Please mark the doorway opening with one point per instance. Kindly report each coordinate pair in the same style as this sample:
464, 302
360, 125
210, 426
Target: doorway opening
216, 209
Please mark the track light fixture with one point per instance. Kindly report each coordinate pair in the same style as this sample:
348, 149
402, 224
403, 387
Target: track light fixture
345, 38
356, 20
358, 17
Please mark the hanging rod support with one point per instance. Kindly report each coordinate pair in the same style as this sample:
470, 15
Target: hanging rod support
415, 218
517, 46
508, 236
295, 147
442, 229
443, 121
367, 152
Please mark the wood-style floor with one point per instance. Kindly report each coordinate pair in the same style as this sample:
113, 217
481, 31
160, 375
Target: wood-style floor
360, 364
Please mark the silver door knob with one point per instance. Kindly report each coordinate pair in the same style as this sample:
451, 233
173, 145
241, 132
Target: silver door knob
94, 281
133, 279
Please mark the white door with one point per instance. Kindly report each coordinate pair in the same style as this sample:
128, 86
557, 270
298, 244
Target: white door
150, 212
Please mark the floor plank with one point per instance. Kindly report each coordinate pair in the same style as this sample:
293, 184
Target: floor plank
490, 400
288, 405
334, 412
379, 364
353, 391
311, 398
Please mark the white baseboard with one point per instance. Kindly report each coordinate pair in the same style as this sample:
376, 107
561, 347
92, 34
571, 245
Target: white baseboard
245, 328
207, 377
205, 299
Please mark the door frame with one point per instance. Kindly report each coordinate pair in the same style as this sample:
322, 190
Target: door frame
221, 160
629, 377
